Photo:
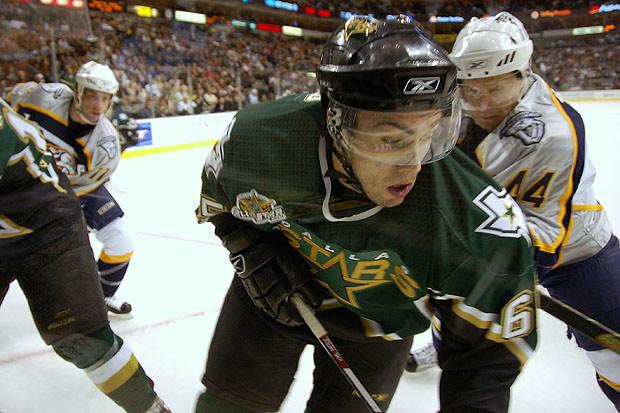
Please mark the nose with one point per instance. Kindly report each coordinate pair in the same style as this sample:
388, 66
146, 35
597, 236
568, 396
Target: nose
481, 101
100, 103
408, 169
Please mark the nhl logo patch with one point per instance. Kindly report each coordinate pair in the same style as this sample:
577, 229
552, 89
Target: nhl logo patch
254, 207
525, 126
505, 218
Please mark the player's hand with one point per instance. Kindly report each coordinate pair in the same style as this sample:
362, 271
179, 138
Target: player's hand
270, 269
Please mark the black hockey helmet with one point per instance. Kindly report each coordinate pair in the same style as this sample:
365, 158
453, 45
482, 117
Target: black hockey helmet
386, 64
388, 68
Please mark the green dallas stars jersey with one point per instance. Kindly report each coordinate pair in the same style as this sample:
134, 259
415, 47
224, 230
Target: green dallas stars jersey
457, 235
36, 204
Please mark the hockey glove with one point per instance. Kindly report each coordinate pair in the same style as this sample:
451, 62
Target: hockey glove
269, 268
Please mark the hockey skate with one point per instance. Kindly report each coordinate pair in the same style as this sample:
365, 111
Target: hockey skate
118, 307
422, 359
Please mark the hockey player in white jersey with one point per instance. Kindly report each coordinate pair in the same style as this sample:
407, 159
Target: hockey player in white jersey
86, 147
534, 145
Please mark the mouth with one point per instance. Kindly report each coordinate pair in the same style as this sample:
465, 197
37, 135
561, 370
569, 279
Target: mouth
400, 190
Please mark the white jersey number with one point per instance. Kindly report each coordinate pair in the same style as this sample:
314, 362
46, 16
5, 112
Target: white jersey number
517, 317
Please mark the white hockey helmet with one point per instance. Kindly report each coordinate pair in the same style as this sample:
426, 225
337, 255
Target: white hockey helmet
492, 46
95, 76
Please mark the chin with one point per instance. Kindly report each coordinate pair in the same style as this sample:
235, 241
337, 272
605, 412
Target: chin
390, 202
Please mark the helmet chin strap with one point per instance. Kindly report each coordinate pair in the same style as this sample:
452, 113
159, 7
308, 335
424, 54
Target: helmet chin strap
343, 170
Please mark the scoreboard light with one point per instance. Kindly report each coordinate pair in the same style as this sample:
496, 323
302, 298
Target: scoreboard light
76, 4
146, 11
284, 5
447, 19
292, 31
604, 8
578, 31
190, 17
269, 27
239, 23
106, 6
555, 13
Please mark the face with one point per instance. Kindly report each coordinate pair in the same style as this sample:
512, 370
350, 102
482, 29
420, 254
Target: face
490, 100
386, 152
94, 104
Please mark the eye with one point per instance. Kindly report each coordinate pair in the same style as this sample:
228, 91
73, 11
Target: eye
391, 140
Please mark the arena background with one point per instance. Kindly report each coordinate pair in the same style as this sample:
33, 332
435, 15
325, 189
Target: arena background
184, 68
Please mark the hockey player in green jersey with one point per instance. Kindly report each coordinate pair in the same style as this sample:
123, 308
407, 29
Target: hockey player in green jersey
352, 199
44, 246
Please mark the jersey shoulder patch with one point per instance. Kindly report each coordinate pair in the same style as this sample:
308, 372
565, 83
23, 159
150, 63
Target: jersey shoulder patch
526, 126
257, 208
504, 217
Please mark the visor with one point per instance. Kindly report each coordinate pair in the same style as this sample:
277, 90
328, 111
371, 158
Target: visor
396, 137
482, 94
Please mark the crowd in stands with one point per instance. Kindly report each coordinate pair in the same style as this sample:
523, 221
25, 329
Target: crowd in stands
171, 68
590, 63
464, 8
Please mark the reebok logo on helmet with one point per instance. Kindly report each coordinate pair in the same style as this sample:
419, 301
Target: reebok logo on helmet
421, 85
478, 64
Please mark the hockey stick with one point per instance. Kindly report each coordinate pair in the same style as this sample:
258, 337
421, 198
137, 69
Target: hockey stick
598, 332
326, 342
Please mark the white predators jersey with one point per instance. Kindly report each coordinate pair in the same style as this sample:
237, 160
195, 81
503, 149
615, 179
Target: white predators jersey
538, 153
87, 154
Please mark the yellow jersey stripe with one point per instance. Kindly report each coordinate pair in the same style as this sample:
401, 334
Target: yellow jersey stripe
551, 248
120, 377
597, 207
615, 386
43, 111
115, 259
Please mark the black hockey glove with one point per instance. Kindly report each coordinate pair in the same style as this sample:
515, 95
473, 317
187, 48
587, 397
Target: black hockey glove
270, 269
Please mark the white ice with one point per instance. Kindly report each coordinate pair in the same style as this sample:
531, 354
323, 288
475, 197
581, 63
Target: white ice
177, 280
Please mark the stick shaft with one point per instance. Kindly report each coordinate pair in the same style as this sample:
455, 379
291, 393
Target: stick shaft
326, 342
598, 332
